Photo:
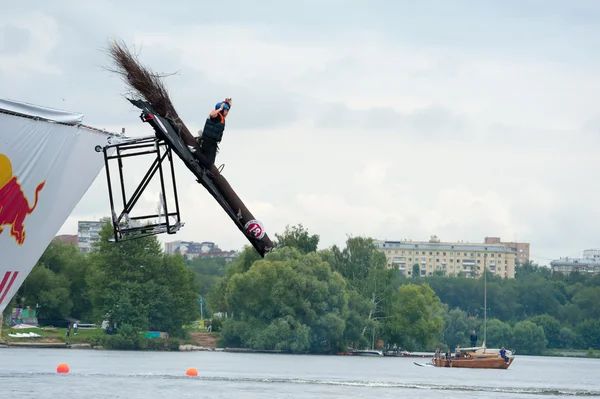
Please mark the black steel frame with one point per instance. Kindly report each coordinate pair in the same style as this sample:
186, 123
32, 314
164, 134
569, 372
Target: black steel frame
122, 229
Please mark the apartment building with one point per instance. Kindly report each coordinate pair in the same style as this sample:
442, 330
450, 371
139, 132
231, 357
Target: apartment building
189, 248
192, 249
449, 258
522, 248
589, 263
88, 232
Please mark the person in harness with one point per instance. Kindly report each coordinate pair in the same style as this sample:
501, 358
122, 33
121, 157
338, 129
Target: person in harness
208, 141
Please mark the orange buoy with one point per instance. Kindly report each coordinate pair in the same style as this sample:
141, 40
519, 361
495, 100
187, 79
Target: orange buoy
62, 368
192, 372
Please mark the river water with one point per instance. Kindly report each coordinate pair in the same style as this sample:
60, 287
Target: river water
31, 373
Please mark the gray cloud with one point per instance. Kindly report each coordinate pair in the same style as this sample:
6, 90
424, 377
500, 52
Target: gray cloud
428, 122
592, 126
533, 174
13, 40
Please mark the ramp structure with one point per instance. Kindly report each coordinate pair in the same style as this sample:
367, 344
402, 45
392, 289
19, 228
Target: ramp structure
171, 136
45, 169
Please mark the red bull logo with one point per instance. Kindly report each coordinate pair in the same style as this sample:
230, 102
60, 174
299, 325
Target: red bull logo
255, 228
14, 205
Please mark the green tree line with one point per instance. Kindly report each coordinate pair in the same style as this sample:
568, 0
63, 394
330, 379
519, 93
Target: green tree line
535, 311
301, 299
132, 285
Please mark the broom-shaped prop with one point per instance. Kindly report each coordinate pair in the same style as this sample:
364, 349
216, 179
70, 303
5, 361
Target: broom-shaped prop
146, 85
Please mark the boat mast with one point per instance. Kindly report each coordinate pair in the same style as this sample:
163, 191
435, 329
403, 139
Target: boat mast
484, 301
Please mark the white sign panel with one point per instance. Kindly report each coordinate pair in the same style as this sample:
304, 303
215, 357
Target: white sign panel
45, 169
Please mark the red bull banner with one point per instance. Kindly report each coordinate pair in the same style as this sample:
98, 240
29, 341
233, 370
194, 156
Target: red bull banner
47, 163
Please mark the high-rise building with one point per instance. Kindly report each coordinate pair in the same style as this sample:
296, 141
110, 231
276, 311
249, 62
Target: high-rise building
521, 248
449, 258
88, 232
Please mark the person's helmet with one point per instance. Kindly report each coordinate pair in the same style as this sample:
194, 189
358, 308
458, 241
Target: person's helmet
226, 105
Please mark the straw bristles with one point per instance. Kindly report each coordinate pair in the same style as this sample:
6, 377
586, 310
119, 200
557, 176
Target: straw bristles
143, 83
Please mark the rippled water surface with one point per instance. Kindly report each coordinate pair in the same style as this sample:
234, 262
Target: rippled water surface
31, 373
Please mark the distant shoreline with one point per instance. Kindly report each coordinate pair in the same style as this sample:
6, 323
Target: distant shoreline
192, 348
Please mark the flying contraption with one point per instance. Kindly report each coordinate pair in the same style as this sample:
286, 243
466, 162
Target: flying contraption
171, 136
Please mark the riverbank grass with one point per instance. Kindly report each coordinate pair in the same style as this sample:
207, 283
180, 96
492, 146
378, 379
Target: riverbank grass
84, 335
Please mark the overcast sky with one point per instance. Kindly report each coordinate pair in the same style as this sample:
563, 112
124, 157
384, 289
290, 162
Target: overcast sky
396, 120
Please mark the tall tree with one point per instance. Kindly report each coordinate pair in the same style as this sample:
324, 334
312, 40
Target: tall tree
414, 319
551, 328
291, 302
365, 268
299, 238
135, 284
242, 263
208, 272
589, 333
456, 327
529, 338
57, 284
499, 334
588, 299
